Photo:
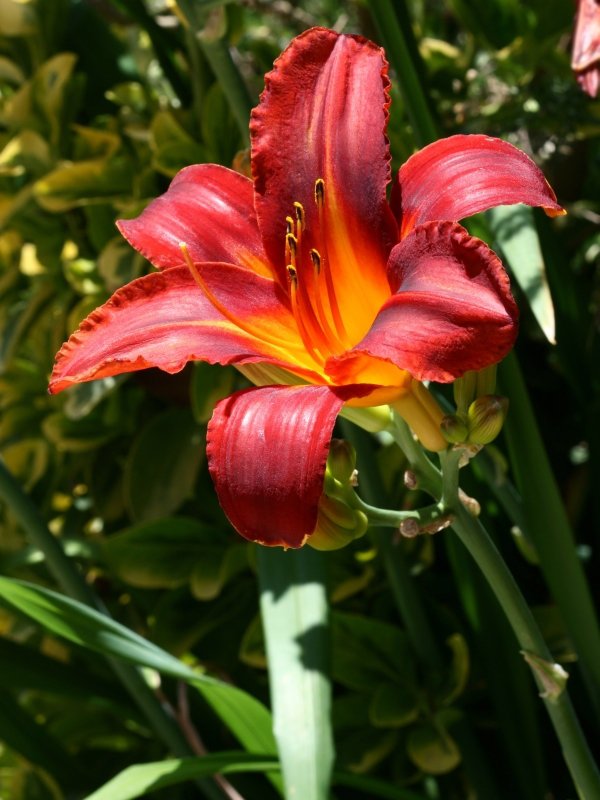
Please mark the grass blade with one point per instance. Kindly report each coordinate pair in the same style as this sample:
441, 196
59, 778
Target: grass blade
136, 780
516, 235
246, 717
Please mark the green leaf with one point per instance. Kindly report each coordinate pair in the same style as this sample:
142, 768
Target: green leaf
166, 553
210, 383
163, 464
216, 567
367, 652
393, 706
135, 781
433, 750
24, 668
19, 731
140, 778
515, 234
17, 19
10, 71
295, 620
75, 436
83, 182
246, 717
458, 674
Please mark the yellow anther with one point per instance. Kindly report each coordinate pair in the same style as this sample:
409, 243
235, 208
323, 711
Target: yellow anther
299, 209
289, 225
319, 192
315, 257
292, 242
292, 273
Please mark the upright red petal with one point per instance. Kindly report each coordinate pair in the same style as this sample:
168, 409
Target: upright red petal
164, 320
208, 207
323, 115
267, 450
462, 175
452, 311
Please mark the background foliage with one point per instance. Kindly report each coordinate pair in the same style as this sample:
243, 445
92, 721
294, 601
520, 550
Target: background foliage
105, 491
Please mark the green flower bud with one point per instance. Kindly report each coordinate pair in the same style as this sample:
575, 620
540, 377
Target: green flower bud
486, 380
337, 525
486, 417
464, 391
454, 429
341, 462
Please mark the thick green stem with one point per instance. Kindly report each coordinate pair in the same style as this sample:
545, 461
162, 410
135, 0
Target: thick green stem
402, 583
477, 541
74, 585
575, 748
428, 478
549, 527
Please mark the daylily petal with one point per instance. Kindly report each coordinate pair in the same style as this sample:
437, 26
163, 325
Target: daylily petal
323, 115
453, 310
462, 175
164, 320
267, 450
586, 46
211, 209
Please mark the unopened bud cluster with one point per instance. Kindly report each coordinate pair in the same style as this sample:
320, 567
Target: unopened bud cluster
339, 521
481, 424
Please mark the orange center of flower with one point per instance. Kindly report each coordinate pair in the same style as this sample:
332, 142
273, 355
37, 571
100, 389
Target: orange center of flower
311, 287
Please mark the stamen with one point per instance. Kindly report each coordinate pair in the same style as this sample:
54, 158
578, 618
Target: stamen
315, 257
299, 209
220, 307
320, 192
330, 335
305, 334
291, 247
289, 225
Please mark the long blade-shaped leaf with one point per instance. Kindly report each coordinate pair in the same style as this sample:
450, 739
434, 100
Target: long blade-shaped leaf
515, 233
295, 619
135, 781
246, 717
549, 527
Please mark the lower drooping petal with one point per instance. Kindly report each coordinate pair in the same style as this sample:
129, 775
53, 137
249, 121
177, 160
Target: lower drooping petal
452, 310
267, 448
164, 320
211, 209
462, 175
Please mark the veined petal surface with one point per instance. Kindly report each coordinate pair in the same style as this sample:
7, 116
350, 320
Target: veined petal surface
211, 209
452, 311
165, 320
267, 448
323, 115
462, 175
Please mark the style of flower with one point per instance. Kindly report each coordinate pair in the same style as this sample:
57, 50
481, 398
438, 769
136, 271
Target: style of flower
585, 59
308, 279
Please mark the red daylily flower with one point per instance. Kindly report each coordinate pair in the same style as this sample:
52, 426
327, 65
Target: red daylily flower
308, 274
585, 59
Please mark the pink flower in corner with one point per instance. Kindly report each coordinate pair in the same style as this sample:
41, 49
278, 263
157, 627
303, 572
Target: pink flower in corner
585, 59
308, 274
